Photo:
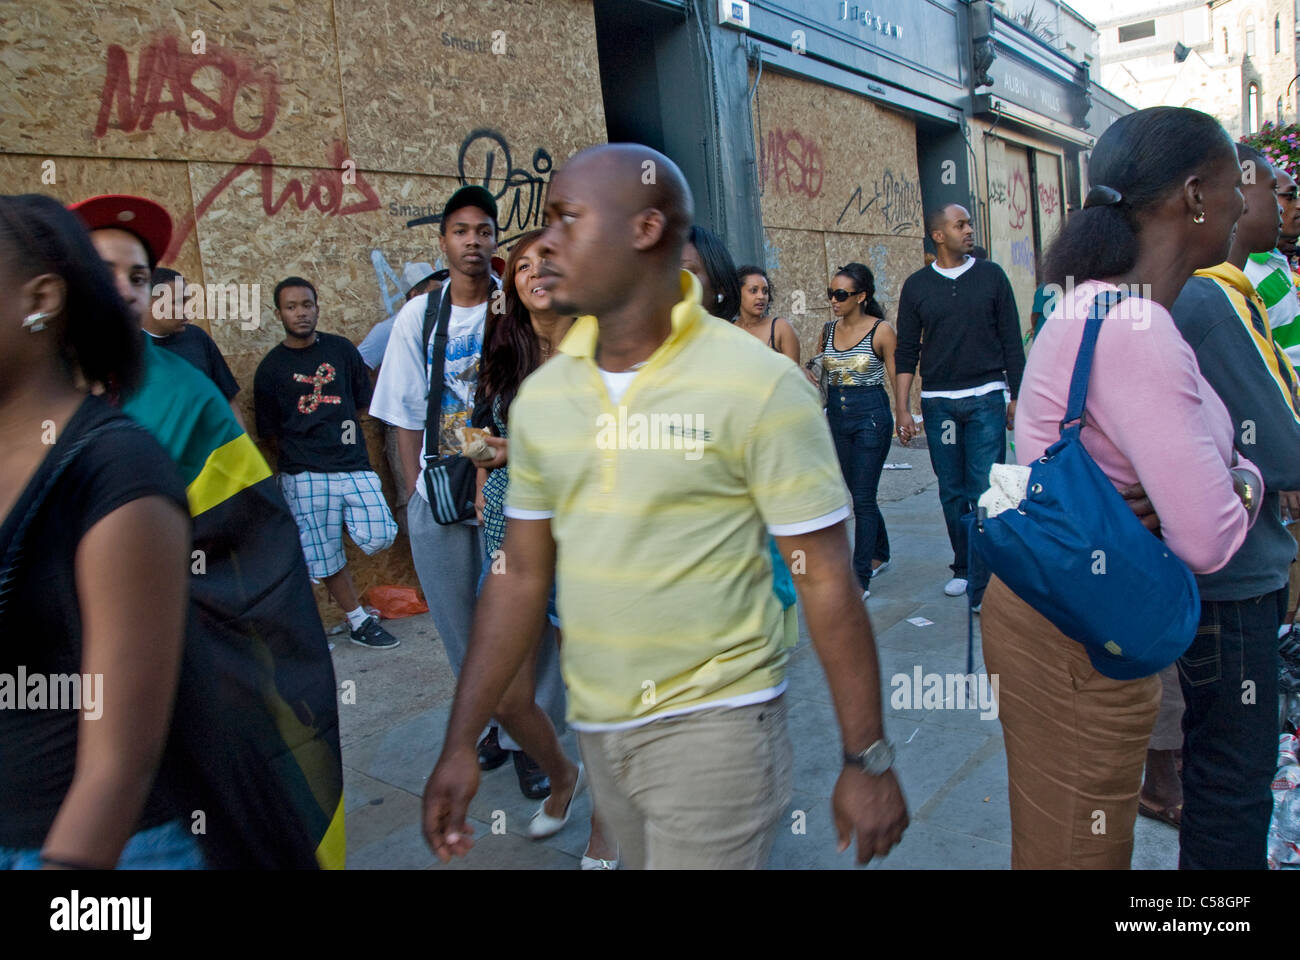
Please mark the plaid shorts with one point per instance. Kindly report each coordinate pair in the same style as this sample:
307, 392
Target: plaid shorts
322, 502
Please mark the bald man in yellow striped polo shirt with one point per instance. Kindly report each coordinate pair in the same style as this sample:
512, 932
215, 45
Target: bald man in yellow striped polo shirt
649, 461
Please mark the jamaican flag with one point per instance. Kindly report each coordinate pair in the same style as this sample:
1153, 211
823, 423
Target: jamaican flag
255, 737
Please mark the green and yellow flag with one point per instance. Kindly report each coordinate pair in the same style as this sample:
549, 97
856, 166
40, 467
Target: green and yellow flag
255, 733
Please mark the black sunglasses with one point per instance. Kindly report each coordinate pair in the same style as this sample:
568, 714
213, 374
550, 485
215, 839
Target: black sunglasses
840, 295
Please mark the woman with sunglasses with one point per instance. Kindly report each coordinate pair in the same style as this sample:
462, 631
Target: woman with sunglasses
857, 353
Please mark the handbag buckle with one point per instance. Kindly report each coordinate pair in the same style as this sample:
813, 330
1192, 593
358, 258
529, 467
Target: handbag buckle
1082, 420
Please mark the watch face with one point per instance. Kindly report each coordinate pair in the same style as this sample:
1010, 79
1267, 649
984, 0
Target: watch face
878, 758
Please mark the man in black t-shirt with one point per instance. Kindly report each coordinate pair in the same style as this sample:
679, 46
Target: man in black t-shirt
166, 326
306, 394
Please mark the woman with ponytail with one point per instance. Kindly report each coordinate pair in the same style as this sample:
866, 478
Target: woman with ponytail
857, 351
1163, 203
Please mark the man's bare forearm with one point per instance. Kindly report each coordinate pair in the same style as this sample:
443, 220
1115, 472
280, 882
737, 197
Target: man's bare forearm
902, 392
841, 633
408, 451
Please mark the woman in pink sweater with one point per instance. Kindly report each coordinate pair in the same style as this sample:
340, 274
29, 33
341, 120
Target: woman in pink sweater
1164, 202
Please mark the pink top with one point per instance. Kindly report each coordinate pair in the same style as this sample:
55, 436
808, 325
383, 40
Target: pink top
1151, 417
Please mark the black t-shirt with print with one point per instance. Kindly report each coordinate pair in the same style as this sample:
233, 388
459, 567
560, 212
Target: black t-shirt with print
40, 618
191, 343
308, 400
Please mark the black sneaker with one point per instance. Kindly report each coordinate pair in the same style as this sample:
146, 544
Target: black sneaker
371, 634
490, 752
533, 783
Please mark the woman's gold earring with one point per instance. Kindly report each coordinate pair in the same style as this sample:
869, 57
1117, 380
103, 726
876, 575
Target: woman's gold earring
1199, 218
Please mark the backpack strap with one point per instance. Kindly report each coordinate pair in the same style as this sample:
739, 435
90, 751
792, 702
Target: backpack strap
827, 333
1102, 304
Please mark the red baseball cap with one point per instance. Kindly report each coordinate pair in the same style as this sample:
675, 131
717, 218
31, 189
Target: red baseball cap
149, 221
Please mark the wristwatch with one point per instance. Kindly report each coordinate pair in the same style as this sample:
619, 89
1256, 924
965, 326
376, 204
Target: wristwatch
874, 760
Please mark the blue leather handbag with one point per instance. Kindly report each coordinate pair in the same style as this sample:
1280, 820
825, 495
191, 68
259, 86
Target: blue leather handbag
1075, 552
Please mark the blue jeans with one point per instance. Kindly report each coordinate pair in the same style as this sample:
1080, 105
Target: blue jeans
168, 846
861, 426
1230, 733
966, 437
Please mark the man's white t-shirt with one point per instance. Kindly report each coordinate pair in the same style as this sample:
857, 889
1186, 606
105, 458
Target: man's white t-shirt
401, 392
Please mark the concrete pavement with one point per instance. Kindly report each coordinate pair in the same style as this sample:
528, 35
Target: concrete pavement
950, 761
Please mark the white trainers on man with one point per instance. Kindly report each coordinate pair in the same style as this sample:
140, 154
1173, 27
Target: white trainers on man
955, 587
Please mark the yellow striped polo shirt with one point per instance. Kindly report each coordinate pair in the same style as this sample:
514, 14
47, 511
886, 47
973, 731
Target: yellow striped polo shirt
660, 508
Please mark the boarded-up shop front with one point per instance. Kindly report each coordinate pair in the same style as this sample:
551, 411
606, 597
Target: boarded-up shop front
1024, 212
300, 139
838, 182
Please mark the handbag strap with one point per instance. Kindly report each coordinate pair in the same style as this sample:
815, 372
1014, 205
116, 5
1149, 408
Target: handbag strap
1102, 304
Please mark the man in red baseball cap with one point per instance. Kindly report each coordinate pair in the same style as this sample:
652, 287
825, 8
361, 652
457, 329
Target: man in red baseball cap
131, 234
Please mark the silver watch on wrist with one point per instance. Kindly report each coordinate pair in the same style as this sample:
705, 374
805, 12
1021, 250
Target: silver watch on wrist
874, 760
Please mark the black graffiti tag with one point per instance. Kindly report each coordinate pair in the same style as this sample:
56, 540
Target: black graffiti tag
521, 198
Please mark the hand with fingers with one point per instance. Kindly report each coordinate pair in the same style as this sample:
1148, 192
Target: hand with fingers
1137, 501
447, 794
870, 808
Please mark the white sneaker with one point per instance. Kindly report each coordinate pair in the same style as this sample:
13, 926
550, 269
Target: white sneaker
881, 569
865, 594
955, 587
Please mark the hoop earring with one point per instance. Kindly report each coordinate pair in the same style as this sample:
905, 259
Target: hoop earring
33, 323
1199, 218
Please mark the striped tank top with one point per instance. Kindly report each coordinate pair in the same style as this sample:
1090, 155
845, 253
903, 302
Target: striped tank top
857, 366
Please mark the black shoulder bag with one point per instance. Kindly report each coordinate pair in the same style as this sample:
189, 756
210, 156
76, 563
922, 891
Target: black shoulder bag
449, 480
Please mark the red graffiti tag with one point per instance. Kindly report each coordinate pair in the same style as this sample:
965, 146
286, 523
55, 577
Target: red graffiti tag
791, 157
325, 191
1017, 200
163, 66
1049, 198
308, 402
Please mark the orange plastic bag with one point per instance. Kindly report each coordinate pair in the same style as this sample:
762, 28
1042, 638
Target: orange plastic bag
393, 603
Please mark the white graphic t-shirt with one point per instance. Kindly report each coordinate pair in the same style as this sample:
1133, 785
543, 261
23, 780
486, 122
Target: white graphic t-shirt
401, 394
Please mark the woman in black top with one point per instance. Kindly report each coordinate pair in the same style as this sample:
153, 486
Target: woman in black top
755, 305
94, 557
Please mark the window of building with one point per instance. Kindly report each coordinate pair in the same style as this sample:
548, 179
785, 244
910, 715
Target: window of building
1250, 37
1225, 41
1277, 34
1137, 31
1252, 108
1279, 111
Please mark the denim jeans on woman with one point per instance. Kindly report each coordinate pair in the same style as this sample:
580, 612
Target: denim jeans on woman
1230, 730
862, 426
966, 436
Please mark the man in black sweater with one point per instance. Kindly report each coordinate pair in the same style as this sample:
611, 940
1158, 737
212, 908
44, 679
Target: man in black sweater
958, 318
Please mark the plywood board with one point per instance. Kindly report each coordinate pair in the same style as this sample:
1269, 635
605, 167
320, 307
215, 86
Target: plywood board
419, 78
195, 81
832, 160
77, 178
